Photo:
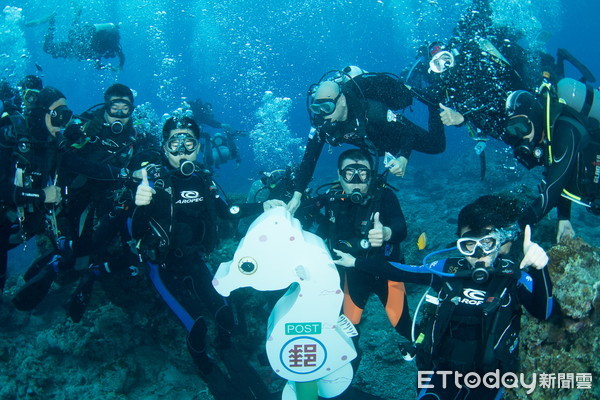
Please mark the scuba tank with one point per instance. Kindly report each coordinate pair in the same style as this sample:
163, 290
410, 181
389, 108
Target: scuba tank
581, 97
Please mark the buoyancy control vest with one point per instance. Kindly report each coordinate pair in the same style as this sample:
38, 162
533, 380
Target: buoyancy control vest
28, 162
584, 186
349, 223
475, 327
184, 215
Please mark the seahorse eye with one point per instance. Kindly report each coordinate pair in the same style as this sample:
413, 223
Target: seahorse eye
247, 266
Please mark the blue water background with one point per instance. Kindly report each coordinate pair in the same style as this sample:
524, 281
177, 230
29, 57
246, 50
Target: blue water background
230, 52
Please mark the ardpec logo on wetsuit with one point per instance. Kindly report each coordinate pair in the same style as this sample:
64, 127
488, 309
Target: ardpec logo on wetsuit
189, 196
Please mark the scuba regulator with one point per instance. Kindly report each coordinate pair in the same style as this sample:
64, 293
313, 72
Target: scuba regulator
116, 127
187, 168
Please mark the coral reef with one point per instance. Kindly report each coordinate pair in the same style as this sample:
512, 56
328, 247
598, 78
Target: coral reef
130, 346
567, 343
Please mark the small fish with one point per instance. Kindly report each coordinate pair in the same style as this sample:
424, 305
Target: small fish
39, 67
422, 241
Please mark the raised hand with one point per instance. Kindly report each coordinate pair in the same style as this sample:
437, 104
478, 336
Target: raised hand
450, 117
379, 233
534, 254
144, 193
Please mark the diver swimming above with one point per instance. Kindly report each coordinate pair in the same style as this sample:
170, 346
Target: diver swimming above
361, 111
86, 42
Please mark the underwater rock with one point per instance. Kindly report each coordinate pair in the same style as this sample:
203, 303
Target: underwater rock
566, 344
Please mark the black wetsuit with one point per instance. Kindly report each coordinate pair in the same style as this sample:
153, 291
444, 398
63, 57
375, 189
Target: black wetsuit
175, 234
91, 168
478, 331
345, 227
32, 152
478, 85
94, 210
86, 43
574, 168
371, 126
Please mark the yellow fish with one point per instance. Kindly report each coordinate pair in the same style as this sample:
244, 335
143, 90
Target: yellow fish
422, 241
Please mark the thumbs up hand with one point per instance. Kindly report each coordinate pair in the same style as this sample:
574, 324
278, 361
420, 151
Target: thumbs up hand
534, 254
379, 233
144, 193
450, 117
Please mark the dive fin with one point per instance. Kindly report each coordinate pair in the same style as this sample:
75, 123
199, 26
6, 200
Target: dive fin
586, 74
39, 21
35, 289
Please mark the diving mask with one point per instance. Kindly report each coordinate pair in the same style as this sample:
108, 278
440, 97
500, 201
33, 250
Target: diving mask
182, 143
519, 133
30, 96
517, 127
441, 61
324, 106
355, 173
488, 244
60, 116
119, 108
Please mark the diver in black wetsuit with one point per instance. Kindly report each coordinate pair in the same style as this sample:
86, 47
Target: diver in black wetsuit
477, 69
175, 224
94, 158
29, 88
222, 144
223, 148
28, 163
480, 297
204, 115
363, 217
569, 150
86, 42
360, 111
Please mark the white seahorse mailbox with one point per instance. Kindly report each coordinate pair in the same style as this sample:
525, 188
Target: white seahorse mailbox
307, 339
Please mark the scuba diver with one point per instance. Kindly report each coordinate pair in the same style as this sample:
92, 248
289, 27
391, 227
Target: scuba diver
22, 98
222, 144
29, 88
10, 99
95, 154
362, 217
472, 73
28, 163
558, 129
175, 226
204, 115
222, 149
361, 111
479, 299
86, 42
95, 168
